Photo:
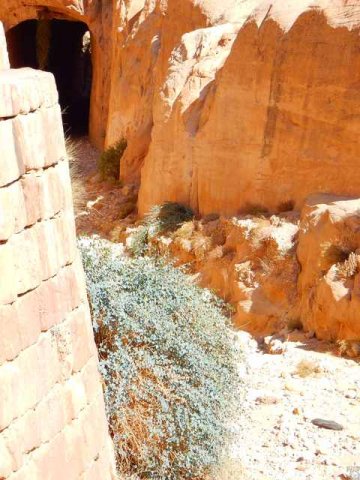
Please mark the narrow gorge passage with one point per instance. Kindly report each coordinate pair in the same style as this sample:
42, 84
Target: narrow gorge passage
63, 48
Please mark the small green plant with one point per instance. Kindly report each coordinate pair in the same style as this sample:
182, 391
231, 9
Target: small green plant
168, 360
161, 219
109, 161
138, 244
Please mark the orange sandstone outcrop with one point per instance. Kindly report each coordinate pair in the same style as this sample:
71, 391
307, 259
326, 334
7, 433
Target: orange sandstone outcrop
228, 107
329, 255
223, 104
249, 261
279, 271
226, 104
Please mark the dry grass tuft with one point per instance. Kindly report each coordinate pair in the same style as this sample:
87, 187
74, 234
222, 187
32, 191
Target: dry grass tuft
307, 368
348, 348
77, 183
331, 254
349, 267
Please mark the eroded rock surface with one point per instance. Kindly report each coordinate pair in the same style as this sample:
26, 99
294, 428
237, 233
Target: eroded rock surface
329, 256
229, 104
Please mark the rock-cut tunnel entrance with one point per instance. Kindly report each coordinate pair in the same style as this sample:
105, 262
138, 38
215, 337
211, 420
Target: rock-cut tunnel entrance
62, 47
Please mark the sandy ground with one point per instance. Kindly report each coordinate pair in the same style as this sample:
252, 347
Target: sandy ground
274, 437
108, 207
280, 394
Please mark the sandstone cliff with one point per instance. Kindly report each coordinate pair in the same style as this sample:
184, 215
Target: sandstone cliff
224, 104
232, 104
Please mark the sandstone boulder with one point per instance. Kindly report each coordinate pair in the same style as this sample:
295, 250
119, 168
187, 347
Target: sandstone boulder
329, 255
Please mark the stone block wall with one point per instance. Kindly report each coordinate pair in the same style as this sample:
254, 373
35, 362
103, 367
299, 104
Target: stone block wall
52, 416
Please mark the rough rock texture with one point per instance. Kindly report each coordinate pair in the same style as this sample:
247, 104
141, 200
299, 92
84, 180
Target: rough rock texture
279, 271
329, 255
52, 417
224, 104
248, 261
232, 103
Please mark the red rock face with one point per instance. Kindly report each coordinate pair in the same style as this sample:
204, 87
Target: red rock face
52, 416
226, 104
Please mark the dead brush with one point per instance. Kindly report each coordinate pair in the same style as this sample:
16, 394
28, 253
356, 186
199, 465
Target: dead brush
348, 348
307, 368
349, 267
77, 182
331, 254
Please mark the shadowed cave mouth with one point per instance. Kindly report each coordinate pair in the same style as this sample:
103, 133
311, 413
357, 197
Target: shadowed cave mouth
63, 48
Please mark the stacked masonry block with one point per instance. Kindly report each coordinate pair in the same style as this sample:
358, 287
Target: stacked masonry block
52, 416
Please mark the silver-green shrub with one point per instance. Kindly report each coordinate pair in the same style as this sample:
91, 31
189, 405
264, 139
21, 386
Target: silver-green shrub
164, 218
168, 361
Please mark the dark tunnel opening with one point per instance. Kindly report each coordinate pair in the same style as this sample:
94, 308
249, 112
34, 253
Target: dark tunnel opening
62, 47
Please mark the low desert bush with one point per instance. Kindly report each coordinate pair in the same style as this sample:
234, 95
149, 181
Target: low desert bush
109, 161
168, 361
167, 217
161, 219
